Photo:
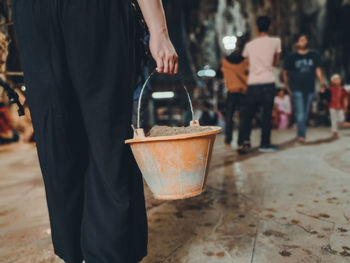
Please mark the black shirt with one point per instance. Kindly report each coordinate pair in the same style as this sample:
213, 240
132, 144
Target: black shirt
302, 70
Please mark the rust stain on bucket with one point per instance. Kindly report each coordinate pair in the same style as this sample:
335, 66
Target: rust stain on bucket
175, 167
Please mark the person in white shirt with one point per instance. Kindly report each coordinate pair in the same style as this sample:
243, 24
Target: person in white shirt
263, 54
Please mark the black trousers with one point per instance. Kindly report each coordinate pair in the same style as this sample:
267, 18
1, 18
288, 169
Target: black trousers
257, 96
78, 61
232, 104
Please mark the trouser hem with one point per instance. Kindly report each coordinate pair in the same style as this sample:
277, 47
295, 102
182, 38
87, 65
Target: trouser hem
67, 259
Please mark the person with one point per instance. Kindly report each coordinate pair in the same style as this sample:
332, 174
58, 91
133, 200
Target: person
322, 109
79, 67
22, 124
299, 75
347, 111
235, 71
338, 103
209, 116
263, 55
284, 109
7, 133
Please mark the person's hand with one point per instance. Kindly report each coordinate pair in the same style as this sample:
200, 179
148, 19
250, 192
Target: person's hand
164, 54
288, 90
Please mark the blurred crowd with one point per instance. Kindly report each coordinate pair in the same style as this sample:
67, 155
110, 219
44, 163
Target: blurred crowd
12, 127
252, 97
250, 80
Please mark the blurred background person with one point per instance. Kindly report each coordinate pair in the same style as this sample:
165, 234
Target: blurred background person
323, 118
338, 103
209, 117
300, 71
7, 132
347, 112
283, 108
234, 68
22, 124
263, 54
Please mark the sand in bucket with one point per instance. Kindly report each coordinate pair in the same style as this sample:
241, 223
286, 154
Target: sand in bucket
157, 131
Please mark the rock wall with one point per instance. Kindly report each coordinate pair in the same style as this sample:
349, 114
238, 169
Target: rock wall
4, 38
204, 23
7, 29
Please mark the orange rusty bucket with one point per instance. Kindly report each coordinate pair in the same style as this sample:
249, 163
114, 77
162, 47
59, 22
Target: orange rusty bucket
175, 166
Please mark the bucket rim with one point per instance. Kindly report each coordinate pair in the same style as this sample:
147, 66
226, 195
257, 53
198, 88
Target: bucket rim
216, 130
179, 196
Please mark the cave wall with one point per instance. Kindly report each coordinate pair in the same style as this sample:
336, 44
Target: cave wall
7, 28
326, 22
4, 38
198, 26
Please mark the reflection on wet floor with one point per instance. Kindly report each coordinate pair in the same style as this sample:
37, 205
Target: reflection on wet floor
289, 206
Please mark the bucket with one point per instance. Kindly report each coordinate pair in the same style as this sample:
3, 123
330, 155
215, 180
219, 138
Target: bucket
175, 166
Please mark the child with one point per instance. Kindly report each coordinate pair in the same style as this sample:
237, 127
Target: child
337, 102
284, 109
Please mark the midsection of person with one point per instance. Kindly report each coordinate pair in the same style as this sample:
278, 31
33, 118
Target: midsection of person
283, 104
261, 52
302, 71
338, 97
235, 75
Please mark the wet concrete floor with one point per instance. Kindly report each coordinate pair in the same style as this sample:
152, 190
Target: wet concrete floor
288, 206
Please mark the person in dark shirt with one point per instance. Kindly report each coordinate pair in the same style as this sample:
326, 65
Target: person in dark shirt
300, 71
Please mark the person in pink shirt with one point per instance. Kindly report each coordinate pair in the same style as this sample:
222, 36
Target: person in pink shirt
284, 109
263, 54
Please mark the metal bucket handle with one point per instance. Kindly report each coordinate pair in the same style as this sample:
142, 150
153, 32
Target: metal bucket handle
193, 122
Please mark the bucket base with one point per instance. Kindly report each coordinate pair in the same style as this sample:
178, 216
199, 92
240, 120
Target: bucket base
178, 197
